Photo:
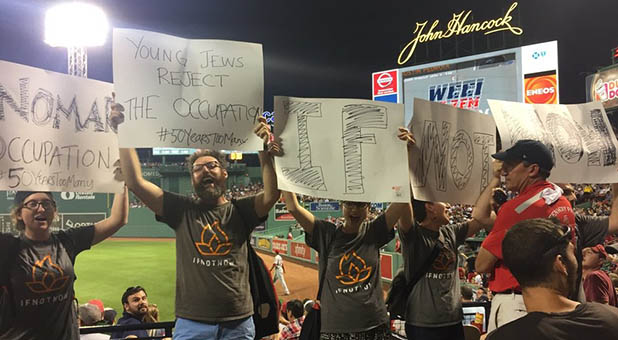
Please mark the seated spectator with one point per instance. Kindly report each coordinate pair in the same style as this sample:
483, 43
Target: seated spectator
109, 316
90, 315
598, 286
542, 258
152, 317
296, 316
466, 294
481, 295
135, 303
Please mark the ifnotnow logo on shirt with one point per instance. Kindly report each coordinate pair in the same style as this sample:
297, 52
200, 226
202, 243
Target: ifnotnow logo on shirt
47, 277
214, 241
353, 269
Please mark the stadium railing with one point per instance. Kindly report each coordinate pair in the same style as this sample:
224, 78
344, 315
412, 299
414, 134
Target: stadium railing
167, 326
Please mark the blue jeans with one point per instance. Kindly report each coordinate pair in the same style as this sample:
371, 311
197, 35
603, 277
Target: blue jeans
242, 329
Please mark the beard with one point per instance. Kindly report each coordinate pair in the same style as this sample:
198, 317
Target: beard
207, 192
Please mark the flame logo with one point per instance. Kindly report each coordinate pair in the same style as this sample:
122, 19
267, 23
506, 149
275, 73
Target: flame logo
47, 277
218, 243
353, 269
444, 260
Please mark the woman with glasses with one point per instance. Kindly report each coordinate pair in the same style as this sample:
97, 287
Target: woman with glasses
36, 267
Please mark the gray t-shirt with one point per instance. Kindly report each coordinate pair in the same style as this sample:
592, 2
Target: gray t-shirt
352, 298
212, 272
41, 280
435, 300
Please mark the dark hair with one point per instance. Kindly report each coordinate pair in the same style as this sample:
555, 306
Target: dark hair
420, 212
130, 291
296, 308
499, 196
466, 292
529, 249
206, 152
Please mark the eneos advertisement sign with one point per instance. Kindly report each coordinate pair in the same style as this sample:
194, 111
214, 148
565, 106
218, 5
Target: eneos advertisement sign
541, 88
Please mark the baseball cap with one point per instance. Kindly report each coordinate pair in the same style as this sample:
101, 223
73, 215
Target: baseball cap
599, 249
529, 150
20, 196
89, 314
97, 303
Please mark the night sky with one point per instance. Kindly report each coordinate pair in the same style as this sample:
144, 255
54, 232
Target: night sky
327, 48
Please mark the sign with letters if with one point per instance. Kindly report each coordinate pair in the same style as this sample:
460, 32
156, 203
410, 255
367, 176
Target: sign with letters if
186, 93
344, 149
55, 132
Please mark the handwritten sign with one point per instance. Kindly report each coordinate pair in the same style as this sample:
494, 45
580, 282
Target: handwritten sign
55, 132
451, 161
580, 137
344, 149
187, 93
457, 26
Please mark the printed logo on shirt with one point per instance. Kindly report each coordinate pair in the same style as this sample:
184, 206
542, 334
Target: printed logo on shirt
353, 269
214, 241
47, 277
444, 261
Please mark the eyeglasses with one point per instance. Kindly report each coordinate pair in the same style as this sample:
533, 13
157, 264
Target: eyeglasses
567, 235
209, 165
46, 204
350, 205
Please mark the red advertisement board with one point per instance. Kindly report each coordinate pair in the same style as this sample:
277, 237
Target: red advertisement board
385, 83
280, 245
300, 250
541, 88
386, 266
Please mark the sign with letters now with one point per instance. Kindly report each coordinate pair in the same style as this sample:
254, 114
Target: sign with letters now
55, 132
188, 93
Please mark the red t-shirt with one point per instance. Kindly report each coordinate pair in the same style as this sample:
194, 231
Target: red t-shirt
528, 204
599, 288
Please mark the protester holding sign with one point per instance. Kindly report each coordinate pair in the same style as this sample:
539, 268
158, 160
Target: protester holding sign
434, 309
213, 299
526, 167
36, 267
352, 302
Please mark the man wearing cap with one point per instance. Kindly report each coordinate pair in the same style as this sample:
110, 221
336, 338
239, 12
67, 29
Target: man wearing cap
597, 284
90, 315
526, 167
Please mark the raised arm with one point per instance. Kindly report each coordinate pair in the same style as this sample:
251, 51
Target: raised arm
401, 212
265, 200
146, 191
613, 215
118, 217
483, 212
302, 216
406, 215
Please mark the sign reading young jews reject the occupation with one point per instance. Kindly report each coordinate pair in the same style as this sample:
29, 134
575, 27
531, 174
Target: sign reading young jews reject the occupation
55, 132
451, 160
187, 93
580, 137
343, 149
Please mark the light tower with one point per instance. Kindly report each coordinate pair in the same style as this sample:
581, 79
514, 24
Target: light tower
76, 26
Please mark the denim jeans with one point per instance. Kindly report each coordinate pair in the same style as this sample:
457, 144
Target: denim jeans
242, 329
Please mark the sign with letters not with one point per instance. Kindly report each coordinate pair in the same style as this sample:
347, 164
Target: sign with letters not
344, 149
451, 160
187, 93
55, 132
580, 137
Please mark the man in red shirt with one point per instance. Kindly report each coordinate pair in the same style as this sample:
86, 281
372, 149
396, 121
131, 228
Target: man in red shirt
526, 167
597, 284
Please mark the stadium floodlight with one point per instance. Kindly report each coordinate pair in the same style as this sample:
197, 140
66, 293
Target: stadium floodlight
76, 26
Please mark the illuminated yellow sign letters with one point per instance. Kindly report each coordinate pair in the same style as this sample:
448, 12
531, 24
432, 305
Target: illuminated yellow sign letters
457, 26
